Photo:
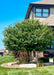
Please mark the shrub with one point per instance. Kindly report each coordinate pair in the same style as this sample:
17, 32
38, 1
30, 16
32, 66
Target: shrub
23, 57
39, 64
11, 54
44, 59
53, 59
6, 53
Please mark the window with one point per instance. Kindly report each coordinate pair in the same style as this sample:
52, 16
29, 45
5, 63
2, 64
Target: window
40, 12
52, 46
53, 41
48, 47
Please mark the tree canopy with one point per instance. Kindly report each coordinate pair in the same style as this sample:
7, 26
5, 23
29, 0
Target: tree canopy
27, 35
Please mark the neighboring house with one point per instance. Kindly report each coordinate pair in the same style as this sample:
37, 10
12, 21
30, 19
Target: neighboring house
43, 11
3, 51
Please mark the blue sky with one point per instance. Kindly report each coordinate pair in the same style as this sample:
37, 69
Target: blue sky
12, 11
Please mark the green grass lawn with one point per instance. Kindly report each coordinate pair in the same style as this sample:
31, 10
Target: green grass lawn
33, 71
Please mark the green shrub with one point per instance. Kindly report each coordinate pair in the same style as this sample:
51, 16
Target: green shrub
11, 54
53, 59
39, 64
44, 59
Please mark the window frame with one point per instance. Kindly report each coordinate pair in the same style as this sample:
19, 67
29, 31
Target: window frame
42, 12
50, 46
53, 47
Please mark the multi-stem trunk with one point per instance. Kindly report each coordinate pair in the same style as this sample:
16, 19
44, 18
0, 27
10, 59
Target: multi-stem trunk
28, 57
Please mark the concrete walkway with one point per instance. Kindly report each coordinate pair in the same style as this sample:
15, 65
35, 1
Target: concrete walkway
16, 65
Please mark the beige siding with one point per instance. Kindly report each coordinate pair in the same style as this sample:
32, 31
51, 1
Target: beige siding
51, 11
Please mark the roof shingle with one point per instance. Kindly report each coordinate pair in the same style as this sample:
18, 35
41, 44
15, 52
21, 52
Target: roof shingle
45, 2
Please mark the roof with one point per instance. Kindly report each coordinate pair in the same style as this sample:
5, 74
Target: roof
44, 2
28, 11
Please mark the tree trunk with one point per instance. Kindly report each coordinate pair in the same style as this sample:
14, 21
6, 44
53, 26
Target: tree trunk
28, 57
37, 57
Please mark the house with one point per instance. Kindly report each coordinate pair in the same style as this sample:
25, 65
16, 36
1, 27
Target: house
43, 10
3, 51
